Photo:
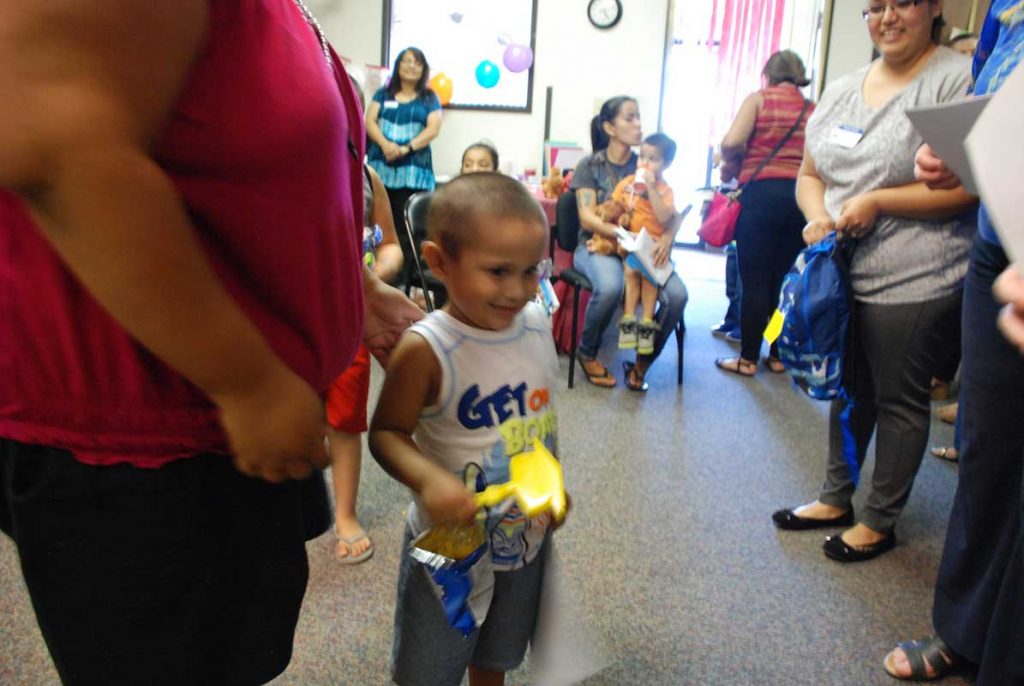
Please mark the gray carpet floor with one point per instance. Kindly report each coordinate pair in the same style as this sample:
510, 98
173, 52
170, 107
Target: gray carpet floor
672, 561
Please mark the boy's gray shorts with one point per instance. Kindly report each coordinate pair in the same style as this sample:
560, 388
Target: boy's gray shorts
427, 651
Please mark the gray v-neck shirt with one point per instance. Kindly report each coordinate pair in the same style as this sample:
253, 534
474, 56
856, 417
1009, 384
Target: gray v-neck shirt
902, 260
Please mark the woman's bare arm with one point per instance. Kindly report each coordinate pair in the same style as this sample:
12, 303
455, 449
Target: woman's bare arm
734, 144
389, 254
586, 203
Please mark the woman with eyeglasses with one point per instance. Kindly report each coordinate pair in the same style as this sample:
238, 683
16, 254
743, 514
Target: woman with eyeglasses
909, 256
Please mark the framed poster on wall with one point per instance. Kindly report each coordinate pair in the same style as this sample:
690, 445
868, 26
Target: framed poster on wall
484, 48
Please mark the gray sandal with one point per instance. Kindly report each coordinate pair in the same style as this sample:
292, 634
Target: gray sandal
929, 651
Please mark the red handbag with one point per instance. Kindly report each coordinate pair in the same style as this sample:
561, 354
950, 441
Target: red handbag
719, 226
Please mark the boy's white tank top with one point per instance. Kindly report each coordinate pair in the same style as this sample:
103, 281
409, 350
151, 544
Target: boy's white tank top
494, 399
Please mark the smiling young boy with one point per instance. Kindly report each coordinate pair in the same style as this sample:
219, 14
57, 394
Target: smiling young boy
468, 388
650, 206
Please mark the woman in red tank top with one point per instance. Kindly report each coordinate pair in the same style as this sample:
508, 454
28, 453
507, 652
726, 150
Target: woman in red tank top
763, 149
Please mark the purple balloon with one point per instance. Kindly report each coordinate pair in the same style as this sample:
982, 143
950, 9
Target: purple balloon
517, 57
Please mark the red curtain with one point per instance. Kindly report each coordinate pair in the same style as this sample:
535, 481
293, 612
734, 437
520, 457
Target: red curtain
746, 32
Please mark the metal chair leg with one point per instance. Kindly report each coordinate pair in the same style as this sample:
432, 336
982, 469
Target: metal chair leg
680, 334
575, 325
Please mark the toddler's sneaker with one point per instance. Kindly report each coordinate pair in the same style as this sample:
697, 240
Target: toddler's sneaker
645, 332
627, 333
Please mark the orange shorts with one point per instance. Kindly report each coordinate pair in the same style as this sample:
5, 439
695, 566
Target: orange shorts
347, 396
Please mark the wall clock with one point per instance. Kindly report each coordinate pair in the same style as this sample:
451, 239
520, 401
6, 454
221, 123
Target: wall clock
604, 14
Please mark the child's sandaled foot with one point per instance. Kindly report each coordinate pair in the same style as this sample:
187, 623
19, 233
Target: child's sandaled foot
355, 548
924, 660
597, 373
737, 365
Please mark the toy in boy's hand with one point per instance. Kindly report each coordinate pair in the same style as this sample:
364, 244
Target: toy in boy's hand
535, 481
552, 186
613, 212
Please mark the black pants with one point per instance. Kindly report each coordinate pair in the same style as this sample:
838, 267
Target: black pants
187, 574
768, 239
979, 594
895, 352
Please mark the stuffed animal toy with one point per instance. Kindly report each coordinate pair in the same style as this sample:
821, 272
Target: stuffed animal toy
613, 212
553, 184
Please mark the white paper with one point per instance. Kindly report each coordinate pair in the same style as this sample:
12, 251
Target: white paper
642, 245
996, 150
564, 647
944, 127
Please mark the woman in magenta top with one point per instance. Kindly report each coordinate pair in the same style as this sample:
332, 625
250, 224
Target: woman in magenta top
768, 236
180, 280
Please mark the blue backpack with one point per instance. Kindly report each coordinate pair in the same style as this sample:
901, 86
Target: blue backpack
815, 307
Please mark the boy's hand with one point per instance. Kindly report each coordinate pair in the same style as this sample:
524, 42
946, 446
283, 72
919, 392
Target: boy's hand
446, 499
276, 428
648, 177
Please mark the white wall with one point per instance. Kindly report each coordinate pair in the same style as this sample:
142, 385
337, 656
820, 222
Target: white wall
584, 66
849, 44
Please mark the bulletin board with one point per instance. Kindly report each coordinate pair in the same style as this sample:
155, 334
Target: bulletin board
484, 48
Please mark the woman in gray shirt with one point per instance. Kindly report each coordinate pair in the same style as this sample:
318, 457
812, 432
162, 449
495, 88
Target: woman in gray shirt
910, 256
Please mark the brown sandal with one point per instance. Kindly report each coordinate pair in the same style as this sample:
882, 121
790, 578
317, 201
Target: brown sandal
603, 379
736, 365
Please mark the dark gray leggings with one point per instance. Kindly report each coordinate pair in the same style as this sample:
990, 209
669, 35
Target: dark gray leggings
896, 351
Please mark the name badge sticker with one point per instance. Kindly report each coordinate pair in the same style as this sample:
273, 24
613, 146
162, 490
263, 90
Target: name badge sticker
845, 135
390, 104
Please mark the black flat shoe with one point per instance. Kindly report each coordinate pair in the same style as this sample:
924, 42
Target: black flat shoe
841, 551
791, 521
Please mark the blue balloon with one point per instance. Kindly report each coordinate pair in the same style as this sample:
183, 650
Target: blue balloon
487, 74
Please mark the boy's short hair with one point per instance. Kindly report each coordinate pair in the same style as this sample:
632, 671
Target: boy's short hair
457, 208
665, 145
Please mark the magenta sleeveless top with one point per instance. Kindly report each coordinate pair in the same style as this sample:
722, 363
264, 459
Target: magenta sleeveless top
265, 148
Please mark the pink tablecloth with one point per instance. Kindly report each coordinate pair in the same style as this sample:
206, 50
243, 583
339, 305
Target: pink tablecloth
548, 204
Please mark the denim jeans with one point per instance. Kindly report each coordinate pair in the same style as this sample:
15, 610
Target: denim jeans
605, 273
733, 289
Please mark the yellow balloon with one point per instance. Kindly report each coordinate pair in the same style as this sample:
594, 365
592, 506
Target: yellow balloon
442, 85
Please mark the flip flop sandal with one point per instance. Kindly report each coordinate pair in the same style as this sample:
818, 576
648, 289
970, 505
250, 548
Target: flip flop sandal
727, 364
774, 365
351, 559
600, 380
930, 651
637, 385
948, 453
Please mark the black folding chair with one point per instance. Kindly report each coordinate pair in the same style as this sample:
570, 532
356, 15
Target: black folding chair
434, 292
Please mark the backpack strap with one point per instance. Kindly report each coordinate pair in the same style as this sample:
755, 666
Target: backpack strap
778, 146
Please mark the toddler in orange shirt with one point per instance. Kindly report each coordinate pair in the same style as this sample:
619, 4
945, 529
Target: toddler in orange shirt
650, 206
